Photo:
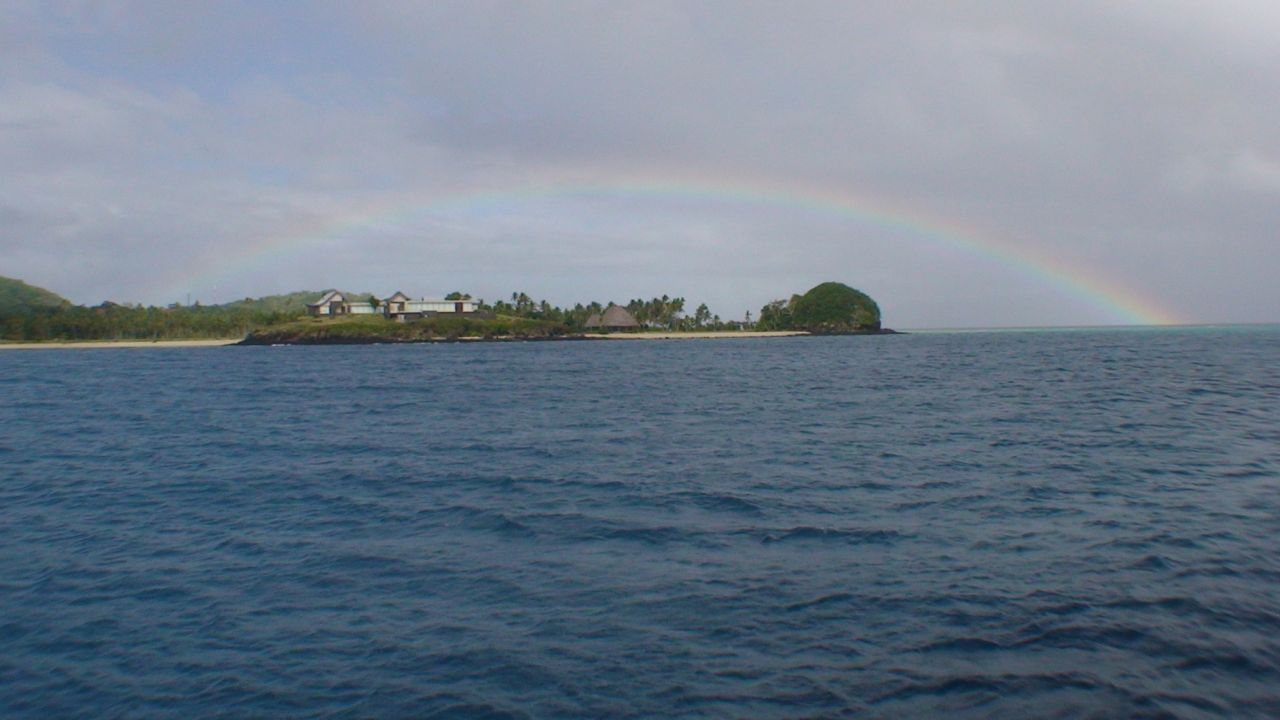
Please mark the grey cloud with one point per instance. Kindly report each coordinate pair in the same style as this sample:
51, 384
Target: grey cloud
1116, 136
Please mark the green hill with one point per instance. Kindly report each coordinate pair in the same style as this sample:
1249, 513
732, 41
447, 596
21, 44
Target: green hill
294, 302
829, 308
17, 297
834, 307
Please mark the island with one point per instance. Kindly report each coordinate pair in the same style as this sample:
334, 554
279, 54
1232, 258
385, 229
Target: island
31, 316
830, 308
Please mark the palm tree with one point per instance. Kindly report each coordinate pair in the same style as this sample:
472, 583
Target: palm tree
701, 315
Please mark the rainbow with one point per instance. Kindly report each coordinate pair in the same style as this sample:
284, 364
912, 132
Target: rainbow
1123, 304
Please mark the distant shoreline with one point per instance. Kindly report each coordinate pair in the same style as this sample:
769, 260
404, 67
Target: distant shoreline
118, 344
226, 342
101, 344
575, 337
708, 335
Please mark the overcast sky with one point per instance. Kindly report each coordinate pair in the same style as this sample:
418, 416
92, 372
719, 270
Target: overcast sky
728, 152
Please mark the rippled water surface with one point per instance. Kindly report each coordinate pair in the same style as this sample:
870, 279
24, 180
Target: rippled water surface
1049, 524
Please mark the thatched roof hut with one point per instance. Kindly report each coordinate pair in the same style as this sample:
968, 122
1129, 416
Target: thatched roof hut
615, 318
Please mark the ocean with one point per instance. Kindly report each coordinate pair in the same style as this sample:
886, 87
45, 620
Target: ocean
1067, 524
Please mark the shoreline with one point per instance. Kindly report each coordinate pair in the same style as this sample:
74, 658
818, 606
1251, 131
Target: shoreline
577, 337
695, 335
227, 342
116, 344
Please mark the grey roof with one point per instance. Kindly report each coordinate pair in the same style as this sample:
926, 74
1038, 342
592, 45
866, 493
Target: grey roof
331, 296
593, 321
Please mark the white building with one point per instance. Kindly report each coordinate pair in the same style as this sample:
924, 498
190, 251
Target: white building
334, 303
398, 307
402, 307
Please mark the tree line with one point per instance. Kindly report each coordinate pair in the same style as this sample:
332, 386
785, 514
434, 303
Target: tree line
664, 313
111, 321
829, 307
122, 322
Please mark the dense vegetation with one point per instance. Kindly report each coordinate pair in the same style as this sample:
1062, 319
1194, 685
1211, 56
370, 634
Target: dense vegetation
31, 314
826, 309
120, 322
659, 313
367, 328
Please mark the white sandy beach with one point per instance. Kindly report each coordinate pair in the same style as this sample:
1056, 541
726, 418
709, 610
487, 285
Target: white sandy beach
117, 344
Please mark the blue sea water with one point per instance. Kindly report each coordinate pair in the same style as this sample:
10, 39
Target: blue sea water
1029, 524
